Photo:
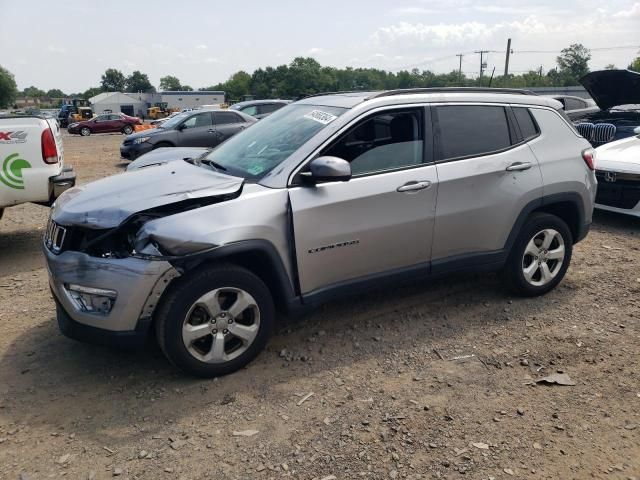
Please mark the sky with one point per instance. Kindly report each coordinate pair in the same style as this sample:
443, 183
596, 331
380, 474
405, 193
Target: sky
68, 44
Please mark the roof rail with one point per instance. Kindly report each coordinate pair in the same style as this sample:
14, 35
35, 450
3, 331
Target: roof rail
514, 91
339, 92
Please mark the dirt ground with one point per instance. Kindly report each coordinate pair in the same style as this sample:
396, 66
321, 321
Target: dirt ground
425, 381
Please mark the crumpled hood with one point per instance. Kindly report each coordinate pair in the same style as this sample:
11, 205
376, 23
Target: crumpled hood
166, 155
620, 156
610, 88
107, 202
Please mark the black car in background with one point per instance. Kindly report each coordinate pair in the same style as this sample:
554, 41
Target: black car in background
197, 128
259, 108
617, 94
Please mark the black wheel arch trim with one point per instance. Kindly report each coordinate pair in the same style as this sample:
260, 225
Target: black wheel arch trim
284, 290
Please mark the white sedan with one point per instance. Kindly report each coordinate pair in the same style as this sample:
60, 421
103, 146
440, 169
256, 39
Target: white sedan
618, 173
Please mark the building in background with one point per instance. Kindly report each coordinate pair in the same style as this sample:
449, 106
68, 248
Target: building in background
136, 104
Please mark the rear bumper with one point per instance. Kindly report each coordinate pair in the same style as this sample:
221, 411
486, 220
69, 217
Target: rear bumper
63, 182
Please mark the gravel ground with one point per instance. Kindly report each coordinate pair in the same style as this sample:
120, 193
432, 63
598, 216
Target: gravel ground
425, 381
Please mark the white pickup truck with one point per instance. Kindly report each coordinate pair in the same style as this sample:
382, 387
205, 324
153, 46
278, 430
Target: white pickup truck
31, 161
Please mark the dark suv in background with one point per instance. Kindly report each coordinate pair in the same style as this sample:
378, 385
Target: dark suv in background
198, 128
259, 108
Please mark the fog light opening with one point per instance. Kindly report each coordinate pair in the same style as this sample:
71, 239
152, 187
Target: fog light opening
91, 299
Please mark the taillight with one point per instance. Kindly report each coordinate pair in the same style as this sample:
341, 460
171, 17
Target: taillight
49, 149
589, 157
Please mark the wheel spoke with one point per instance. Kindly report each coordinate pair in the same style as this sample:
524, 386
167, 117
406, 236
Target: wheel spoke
530, 271
216, 354
211, 303
247, 333
556, 254
545, 273
549, 235
191, 333
532, 249
243, 302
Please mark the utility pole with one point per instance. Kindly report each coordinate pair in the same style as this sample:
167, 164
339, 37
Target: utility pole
483, 65
506, 59
460, 55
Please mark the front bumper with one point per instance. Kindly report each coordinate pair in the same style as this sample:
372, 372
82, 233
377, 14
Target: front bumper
139, 285
133, 151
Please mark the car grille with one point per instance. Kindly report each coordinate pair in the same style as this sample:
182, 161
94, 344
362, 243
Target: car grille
54, 237
619, 190
598, 132
127, 142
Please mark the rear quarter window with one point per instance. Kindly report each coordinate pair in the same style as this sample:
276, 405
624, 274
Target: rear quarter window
527, 124
472, 130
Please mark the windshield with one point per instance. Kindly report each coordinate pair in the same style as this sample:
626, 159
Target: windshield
259, 149
173, 121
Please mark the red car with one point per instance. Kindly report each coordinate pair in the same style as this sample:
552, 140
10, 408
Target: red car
106, 123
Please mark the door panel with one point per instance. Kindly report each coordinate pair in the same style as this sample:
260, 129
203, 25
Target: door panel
199, 131
479, 201
347, 230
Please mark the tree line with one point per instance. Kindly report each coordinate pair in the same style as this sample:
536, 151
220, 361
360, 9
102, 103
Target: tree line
306, 76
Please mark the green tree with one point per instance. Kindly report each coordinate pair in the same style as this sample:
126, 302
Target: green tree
8, 88
55, 93
170, 83
33, 92
138, 82
113, 81
187, 88
91, 92
573, 63
635, 65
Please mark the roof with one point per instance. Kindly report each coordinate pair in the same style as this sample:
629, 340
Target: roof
501, 95
104, 96
197, 92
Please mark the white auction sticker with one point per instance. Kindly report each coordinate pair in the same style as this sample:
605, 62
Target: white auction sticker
320, 116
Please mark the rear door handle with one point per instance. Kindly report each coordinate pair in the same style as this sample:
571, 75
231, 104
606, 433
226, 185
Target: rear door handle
519, 166
414, 186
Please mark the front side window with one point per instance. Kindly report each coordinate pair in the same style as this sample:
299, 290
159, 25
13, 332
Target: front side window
257, 150
385, 141
270, 107
252, 110
198, 121
472, 130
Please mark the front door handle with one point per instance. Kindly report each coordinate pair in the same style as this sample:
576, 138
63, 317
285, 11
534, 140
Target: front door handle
519, 166
414, 186
211, 130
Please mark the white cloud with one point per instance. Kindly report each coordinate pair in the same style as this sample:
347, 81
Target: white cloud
633, 12
316, 51
56, 49
413, 11
201, 47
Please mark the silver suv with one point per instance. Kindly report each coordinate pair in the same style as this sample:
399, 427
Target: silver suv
329, 195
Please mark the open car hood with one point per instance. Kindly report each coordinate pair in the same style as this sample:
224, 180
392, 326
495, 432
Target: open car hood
610, 88
109, 201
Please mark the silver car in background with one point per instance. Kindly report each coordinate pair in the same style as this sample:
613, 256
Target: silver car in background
329, 196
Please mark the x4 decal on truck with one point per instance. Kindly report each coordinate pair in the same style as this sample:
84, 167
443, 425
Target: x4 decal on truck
11, 172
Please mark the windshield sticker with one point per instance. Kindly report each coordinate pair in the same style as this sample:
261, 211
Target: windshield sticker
320, 116
255, 169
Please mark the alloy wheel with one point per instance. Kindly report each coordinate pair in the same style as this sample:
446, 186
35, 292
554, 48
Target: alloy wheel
543, 257
221, 325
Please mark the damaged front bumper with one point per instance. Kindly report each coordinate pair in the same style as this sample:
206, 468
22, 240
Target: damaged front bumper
106, 300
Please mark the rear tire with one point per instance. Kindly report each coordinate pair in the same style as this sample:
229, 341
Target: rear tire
127, 130
540, 256
215, 321
85, 131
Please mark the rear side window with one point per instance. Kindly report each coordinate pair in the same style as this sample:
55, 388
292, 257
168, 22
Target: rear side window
270, 107
527, 125
472, 130
222, 118
386, 141
573, 104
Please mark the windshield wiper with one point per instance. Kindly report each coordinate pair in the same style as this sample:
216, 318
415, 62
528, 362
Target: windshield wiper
213, 164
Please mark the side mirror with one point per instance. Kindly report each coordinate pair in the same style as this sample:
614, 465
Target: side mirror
328, 169
181, 127
636, 130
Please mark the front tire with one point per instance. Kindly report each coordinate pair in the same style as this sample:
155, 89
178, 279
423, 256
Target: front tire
127, 130
215, 321
85, 131
540, 256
